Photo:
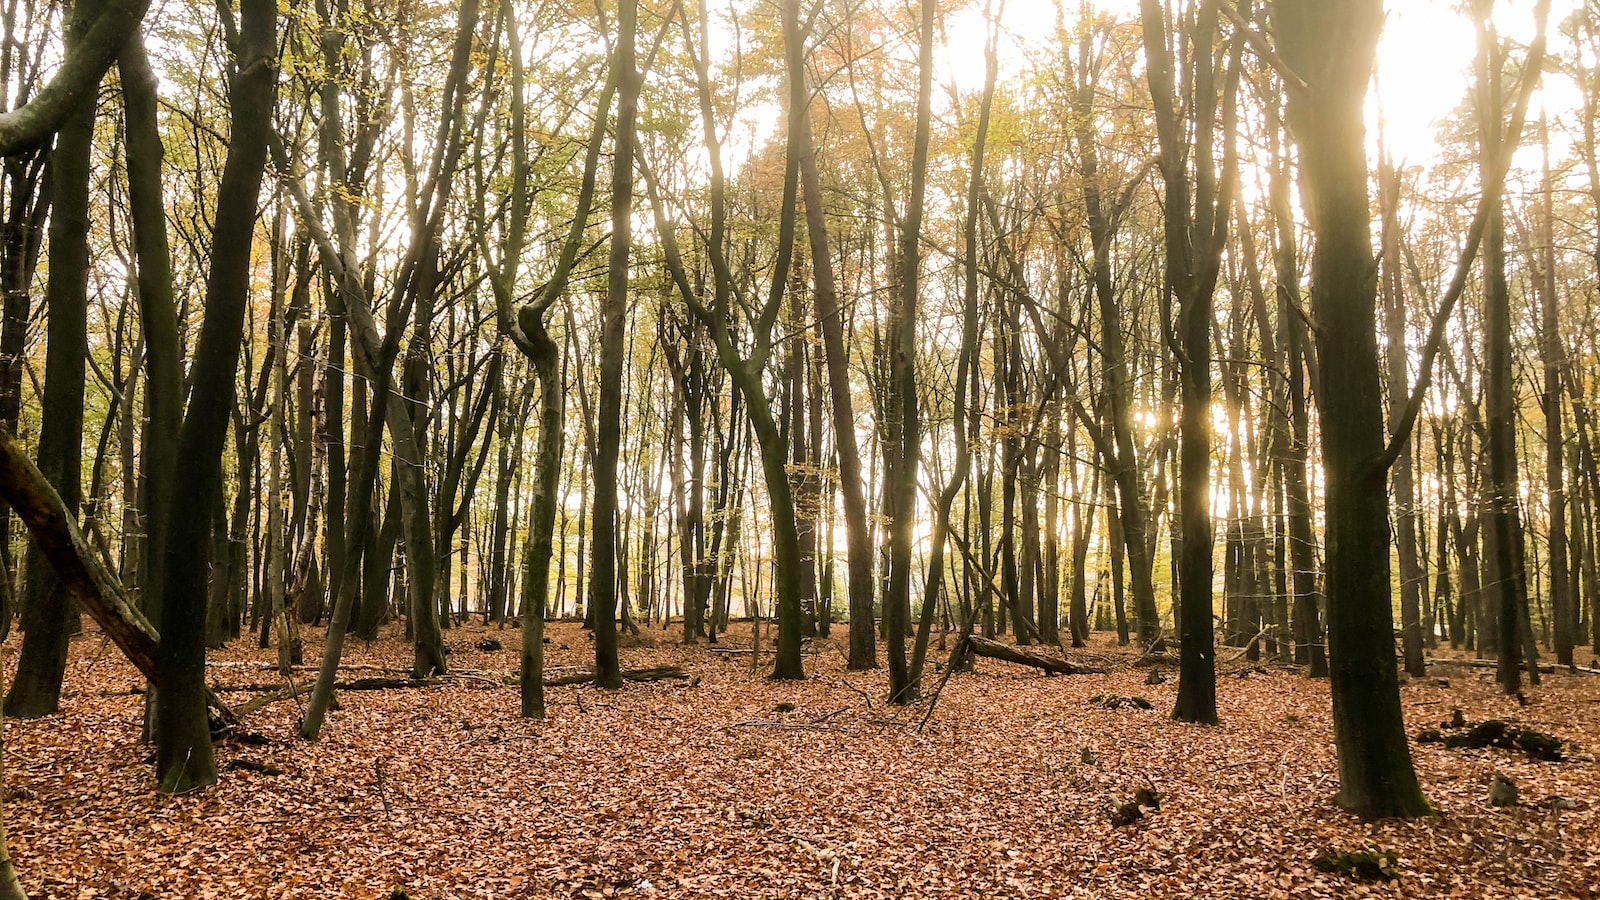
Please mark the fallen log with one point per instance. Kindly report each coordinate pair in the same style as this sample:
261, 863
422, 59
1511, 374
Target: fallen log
658, 673
284, 692
1050, 665
97, 591
747, 651
287, 691
1544, 668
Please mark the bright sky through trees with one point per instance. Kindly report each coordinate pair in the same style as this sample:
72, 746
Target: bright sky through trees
1424, 58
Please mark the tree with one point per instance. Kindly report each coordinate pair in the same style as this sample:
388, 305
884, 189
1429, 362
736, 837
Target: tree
183, 734
830, 321
746, 367
614, 315
527, 329
1505, 520
902, 459
1196, 233
48, 617
1331, 50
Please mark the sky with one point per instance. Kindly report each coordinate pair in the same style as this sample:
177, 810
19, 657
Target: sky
1424, 58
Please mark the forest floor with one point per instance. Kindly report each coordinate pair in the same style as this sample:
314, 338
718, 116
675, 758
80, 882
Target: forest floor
716, 787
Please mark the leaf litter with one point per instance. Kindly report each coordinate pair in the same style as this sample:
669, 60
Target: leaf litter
730, 785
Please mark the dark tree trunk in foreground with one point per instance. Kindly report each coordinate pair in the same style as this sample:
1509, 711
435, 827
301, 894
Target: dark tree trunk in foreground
1333, 46
47, 613
183, 735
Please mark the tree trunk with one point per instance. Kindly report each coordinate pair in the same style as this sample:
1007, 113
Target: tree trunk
1376, 778
830, 321
902, 478
1563, 603
1401, 477
1306, 608
183, 735
613, 334
47, 613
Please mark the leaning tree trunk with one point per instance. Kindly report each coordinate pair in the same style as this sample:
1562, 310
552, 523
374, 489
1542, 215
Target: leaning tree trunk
183, 735
362, 485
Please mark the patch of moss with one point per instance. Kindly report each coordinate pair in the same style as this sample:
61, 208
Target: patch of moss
1363, 865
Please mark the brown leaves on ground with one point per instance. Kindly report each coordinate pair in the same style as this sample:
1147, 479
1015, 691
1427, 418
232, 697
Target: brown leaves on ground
715, 787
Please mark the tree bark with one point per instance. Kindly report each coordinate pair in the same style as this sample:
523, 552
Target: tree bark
613, 332
1401, 477
47, 613
1335, 45
183, 735
830, 321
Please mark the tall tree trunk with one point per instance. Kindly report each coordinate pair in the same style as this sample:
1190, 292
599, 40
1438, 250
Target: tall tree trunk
1376, 778
1309, 648
902, 479
1500, 401
1563, 603
1195, 231
613, 334
183, 736
1401, 478
830, 321
47, 613
1122, 461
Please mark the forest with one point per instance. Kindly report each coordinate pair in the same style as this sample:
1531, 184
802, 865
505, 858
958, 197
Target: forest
799, 448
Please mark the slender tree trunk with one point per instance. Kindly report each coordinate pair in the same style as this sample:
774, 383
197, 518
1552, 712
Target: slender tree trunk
1195, 231
1500, 401
1122, 461
1401, 479
902, 481
1563, 603
1309, 647
363, 483
614, 316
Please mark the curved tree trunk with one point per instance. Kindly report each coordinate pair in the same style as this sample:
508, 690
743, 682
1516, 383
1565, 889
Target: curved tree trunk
183, 736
